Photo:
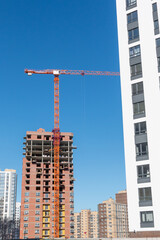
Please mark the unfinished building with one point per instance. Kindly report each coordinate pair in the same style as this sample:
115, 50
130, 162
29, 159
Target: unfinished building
37, 201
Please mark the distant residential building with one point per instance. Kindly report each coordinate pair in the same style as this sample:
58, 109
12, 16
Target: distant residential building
107, 219
122, 214
18, 211
86, 224
8, 189
17, 222
113, 217
94, 224
122, 220
77, 225
121, 197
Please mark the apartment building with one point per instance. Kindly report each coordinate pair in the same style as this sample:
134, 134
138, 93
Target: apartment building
8, 191
107, 219
77, 225
122, 214
94, 226
113, 217
18, 211
121, 197
37, 200
17, 220
139, 53
86, 224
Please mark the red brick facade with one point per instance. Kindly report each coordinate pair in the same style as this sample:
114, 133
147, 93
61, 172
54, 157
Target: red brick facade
149, 234
37, 201
121, 197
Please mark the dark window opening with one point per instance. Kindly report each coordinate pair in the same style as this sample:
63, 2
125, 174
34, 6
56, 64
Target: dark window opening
143, 171
156, 24
141, 149
138, 108
154, 7
137, 88
158, 60
147, 217
132, 17
133, 34
136, 69
130, 3
145, 197
158, 42
135, 51
140, 128
145, 194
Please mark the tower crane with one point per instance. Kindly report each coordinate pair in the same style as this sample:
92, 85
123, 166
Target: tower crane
56, 131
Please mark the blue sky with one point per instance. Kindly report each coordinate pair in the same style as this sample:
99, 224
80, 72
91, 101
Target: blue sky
64, 34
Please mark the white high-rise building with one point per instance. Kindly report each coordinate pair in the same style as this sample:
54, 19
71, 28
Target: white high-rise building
8, 189
18, 211
17, 218
139, 53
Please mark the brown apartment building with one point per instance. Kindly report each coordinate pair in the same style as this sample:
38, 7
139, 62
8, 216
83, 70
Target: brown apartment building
37, 201
113, 217
107, 219
121, 197
122, 214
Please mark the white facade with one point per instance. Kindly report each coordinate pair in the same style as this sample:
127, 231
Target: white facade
142, 155
8, 189
18, 211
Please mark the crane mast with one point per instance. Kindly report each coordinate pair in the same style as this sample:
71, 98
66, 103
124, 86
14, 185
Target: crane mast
56, 142
56, 130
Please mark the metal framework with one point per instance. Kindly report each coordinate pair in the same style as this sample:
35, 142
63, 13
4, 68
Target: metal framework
56, 142
72, 72
56, 131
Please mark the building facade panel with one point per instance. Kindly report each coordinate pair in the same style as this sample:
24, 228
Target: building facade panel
113, 217
144, 216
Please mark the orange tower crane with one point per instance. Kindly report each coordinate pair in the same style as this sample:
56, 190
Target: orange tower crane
56, 131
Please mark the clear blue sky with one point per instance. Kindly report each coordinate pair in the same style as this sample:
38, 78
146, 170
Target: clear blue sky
64, 34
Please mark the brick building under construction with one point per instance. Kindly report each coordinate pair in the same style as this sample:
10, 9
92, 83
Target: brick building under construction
37, 201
